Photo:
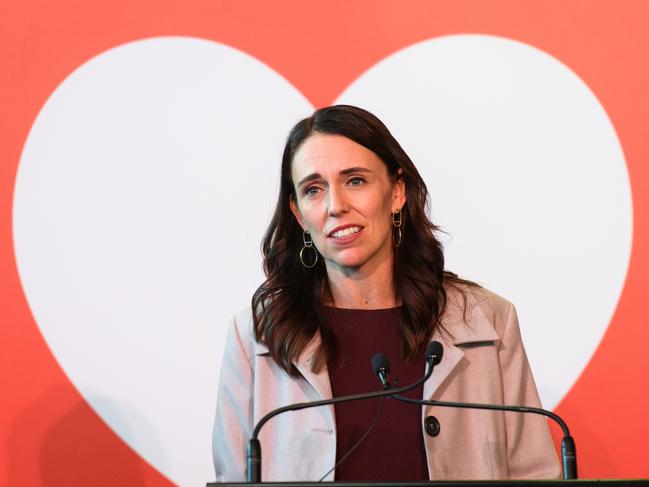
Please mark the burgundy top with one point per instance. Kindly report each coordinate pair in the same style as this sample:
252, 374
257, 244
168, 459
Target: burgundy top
394, 449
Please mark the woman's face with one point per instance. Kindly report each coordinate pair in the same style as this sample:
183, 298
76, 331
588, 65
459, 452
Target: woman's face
345, 198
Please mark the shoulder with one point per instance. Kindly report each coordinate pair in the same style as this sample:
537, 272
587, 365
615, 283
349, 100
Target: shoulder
473, 311
242, 323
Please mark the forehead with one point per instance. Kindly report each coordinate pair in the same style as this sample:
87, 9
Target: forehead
324, 153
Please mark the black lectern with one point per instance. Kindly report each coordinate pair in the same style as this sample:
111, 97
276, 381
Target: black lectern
458, 483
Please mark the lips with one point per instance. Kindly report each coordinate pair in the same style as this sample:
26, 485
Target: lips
344, 231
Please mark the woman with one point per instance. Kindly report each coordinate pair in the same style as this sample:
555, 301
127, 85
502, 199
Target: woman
353, 268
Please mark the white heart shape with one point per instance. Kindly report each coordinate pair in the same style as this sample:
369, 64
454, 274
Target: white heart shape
148, 177
526, 174
142, 194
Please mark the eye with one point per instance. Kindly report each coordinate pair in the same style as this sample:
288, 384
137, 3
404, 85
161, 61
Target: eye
356, 181
311, 191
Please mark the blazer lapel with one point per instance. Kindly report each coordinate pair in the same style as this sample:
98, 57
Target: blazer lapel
452, 356
320, 381
457, 331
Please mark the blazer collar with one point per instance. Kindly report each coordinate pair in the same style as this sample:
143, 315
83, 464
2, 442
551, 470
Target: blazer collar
319, 381
458, 328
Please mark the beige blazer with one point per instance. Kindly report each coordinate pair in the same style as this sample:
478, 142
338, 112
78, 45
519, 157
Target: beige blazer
484, 361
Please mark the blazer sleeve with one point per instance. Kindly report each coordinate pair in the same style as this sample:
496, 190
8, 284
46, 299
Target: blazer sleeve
531, 453
234, 409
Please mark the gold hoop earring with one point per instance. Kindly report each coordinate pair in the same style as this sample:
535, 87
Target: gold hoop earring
308, 244
397, 220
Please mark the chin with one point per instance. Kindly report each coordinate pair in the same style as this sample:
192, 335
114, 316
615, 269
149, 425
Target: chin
349, 261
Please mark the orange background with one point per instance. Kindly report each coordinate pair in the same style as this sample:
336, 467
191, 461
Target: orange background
47, 432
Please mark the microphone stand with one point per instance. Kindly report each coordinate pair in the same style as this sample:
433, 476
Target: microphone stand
568, 451
254, 447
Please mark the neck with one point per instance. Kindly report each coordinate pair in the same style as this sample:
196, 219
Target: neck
368, 287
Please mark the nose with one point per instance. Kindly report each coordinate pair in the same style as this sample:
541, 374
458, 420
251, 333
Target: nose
337, 202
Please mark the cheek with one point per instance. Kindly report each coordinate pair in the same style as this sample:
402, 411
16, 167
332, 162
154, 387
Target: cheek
384, 210
309, 213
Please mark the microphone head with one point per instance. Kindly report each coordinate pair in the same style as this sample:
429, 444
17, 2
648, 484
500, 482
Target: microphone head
434, 352
380, 363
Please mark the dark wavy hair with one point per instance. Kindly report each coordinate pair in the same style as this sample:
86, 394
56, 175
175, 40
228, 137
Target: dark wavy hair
288, 306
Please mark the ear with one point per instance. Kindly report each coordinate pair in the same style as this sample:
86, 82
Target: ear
399, 191
295, 210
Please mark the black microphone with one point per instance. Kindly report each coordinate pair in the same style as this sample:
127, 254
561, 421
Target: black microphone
568, 451
381, 363
381, 367
434, 352
254, 447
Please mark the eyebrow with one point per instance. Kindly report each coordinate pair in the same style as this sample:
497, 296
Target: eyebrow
344, 172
